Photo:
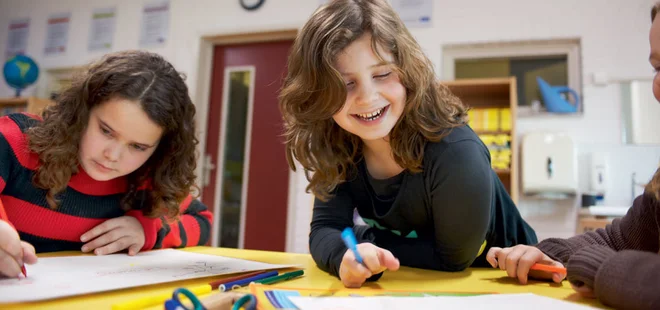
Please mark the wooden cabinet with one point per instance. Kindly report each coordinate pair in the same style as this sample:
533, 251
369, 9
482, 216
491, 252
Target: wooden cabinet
31, 105
493, 105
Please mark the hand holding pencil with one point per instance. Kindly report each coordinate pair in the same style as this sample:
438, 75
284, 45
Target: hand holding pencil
523, 261
14, 252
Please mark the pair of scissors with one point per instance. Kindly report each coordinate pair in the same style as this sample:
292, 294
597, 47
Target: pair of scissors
175, 303
247, 302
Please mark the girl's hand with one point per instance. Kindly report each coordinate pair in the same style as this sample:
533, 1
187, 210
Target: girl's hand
13, 252
518, 260
375, 260
115, 235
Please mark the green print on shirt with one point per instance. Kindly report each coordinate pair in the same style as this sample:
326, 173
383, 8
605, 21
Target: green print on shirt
372, 223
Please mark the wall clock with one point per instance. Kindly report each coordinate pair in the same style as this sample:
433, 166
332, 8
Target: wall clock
251, 5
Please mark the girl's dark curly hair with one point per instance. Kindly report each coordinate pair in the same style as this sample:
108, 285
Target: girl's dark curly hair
138, 76
313, 91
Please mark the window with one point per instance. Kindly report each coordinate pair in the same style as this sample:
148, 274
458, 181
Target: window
556, 61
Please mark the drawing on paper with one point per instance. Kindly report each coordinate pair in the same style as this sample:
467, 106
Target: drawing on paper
55, 277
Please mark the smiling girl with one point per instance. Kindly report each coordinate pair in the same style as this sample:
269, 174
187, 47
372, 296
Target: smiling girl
373, 129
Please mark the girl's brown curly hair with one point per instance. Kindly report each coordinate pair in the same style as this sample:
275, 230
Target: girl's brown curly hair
313, 91
160, 90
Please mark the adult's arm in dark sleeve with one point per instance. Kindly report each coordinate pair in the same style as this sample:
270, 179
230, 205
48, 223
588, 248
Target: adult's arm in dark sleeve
329, 219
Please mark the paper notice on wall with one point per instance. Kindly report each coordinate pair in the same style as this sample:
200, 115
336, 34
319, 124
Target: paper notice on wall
103, 29
17, 38
155, 23
57, 33
414, 13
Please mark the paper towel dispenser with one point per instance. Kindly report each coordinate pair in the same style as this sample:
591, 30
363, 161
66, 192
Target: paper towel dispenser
549, 163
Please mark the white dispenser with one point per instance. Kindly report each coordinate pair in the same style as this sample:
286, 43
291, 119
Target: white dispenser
549, 164
599, 173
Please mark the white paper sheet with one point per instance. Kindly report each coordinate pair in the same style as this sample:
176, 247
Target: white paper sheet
490, 302
103, 29
414, 13
57, 34
18, 37
55, 277
155, 23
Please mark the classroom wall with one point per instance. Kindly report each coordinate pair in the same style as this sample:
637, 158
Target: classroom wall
613, 34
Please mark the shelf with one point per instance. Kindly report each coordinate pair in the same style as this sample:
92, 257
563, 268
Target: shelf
32, 105
528, 112
491, 132
482, 91
499, 93
13, 101
506, 81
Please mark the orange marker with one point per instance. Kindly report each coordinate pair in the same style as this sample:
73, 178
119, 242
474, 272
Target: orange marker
3, 216
549, 268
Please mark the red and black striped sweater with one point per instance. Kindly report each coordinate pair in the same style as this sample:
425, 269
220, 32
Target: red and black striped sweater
84, 204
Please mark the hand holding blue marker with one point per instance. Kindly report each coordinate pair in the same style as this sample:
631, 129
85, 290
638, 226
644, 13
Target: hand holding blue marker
351, 243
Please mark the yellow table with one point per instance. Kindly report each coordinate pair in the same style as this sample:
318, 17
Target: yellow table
471, 280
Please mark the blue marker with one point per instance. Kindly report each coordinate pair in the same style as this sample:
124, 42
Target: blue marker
349, 239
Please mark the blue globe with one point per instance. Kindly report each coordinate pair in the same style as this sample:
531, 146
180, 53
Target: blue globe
20, 72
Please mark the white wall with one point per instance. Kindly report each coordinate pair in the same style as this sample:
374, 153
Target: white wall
644, 113
613, 33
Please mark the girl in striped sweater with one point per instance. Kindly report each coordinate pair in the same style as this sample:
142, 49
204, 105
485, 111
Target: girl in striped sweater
109, 168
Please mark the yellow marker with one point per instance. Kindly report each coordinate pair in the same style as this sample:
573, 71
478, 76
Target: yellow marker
158, 299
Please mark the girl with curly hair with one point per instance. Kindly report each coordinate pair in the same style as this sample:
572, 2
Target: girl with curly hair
109, 168
375, 131
618, 264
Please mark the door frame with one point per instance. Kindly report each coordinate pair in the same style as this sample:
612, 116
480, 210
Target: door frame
202, 95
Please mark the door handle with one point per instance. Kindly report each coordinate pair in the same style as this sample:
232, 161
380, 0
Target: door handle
207, 167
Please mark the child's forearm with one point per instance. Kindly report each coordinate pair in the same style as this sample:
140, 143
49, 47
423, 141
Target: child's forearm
633, 232
629, 280
190, 229
327, 248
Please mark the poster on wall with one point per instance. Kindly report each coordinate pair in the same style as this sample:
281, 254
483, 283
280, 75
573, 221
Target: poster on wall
57, 33
103, 29
17, 38
155, 23
414, 13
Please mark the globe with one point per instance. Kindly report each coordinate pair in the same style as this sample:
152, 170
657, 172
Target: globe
20, 72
